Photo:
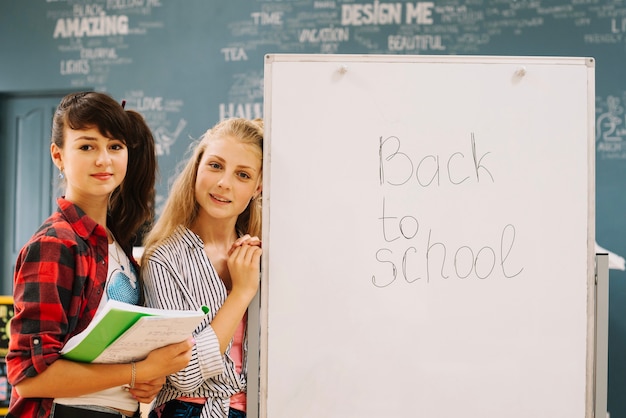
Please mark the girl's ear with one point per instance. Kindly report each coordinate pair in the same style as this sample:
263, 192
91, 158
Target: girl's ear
55, 153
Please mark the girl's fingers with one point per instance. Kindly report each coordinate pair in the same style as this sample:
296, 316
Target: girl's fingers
245, 240
246, 254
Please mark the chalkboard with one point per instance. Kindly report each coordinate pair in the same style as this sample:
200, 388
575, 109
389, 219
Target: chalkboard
147, 47
428, 236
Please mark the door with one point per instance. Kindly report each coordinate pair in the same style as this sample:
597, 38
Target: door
29, 182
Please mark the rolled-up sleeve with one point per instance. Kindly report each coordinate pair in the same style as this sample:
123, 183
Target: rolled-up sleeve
43, 284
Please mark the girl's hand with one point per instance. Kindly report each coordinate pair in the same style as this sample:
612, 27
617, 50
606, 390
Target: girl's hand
162, 362
145, 392
244, 263
245, 240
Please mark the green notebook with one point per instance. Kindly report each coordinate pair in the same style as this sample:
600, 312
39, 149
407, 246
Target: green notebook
122, 332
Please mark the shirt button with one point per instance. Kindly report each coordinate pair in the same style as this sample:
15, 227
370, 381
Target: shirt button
36, 341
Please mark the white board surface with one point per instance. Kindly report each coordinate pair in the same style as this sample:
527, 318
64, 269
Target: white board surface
428, 237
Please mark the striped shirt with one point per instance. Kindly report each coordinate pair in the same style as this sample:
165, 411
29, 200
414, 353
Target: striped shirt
179, 275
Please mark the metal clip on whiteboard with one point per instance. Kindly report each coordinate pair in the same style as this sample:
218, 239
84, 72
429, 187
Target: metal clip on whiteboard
343, 69
521, 72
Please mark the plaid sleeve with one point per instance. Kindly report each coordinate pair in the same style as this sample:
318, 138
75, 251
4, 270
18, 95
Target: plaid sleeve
43, 282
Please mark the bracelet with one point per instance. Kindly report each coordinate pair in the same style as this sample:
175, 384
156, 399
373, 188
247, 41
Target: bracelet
133, 374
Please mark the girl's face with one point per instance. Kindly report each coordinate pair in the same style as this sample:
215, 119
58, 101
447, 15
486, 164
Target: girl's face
229, 175
93, 165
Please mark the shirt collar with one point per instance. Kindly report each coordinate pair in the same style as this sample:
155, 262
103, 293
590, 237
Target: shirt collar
82, 224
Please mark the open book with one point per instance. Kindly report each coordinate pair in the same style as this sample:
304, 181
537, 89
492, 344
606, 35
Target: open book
122, 333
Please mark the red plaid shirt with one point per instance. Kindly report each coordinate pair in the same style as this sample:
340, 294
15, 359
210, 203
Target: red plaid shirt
58, 283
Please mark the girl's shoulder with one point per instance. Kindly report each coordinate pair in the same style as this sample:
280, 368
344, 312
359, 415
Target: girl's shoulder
55, 228
176, 245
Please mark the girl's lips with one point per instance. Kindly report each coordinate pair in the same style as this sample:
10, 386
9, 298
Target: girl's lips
102, 176
219, 198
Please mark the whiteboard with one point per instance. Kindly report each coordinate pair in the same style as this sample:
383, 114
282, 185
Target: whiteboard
428, 237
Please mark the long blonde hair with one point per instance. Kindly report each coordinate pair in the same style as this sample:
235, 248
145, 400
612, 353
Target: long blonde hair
181, 207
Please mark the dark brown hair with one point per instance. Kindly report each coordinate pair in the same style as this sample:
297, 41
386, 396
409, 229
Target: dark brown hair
131, 204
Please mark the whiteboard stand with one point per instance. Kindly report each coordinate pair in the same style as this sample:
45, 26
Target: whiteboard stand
602, 335
254, 350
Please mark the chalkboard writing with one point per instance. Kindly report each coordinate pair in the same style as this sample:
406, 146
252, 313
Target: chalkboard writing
63, 46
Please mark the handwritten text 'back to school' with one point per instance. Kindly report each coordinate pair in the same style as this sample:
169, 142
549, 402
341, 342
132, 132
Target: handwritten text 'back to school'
436, 259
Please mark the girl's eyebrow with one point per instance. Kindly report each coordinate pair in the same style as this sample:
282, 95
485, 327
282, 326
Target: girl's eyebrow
217, 157
94, 139
214, 156
252, 169
85, 137
247, 168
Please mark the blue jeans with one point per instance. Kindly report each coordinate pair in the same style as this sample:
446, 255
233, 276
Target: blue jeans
235, 413
180, 409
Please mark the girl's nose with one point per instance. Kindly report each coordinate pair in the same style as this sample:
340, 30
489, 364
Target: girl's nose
103, 158
223, 182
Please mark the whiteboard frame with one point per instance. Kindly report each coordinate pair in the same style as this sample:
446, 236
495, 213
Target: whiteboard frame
593, 389
602, 335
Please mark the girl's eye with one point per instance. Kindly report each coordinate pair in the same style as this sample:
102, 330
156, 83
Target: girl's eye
85, 147
215, 166
244, 175
117, 147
